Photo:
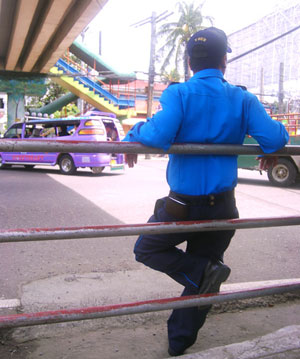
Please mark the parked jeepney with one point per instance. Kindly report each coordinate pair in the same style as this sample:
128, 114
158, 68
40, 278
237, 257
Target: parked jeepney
93, 126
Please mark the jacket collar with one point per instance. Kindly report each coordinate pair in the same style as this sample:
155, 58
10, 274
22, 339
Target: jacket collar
208, 73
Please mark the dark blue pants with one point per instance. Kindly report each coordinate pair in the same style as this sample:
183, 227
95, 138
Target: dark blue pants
159, 252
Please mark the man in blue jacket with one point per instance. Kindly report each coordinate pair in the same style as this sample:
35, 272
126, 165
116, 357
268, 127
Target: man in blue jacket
205, 109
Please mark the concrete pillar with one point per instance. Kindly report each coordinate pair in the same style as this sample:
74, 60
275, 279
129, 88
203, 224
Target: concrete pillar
15, 107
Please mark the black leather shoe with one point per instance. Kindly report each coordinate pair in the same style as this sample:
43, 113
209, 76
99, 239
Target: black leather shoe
174, 353
214, 275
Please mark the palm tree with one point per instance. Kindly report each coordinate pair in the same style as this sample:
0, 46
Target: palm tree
178, 33
172, 76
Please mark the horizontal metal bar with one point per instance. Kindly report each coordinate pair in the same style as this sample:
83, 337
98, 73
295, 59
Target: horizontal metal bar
37, 145
70, 315
42, 234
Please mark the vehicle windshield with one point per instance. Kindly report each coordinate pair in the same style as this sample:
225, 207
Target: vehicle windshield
15, 131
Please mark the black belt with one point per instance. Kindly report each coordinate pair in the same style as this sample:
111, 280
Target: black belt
210, 199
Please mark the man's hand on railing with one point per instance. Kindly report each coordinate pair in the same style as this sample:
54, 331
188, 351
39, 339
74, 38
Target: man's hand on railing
131, 159
266, 162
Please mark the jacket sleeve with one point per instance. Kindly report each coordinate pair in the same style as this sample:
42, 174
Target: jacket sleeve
160, 130
270, 134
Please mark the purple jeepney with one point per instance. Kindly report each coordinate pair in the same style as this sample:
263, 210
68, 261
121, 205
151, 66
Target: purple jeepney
93, 126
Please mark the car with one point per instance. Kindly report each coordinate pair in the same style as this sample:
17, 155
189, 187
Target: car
93, 126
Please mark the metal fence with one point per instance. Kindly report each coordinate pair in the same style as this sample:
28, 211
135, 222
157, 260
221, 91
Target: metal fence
46, 145
42, 234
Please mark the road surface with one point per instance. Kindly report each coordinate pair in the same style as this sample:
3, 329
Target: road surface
73, 273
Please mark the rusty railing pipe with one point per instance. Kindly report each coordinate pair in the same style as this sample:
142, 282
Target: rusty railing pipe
42, 234
70, 315
45, 145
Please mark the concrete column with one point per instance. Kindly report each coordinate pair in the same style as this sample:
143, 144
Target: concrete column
15, 107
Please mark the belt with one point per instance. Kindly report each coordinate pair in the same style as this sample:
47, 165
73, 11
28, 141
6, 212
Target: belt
210, 199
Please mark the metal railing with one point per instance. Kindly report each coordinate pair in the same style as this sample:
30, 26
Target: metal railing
46, 145
71, 315
40, 234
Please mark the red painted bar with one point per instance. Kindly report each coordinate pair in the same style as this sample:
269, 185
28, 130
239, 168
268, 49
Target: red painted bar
69, 315
40, 234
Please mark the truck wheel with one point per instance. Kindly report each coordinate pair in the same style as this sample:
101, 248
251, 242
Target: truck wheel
66, 165
283, 174
97, 170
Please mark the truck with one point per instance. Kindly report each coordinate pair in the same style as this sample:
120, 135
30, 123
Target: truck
286, 169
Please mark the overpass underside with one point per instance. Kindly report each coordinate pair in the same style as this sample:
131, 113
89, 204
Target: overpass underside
35, 33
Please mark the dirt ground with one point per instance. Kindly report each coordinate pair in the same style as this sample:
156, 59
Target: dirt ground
143, 336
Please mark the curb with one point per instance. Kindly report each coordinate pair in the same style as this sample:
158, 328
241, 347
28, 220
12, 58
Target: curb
257, 302
9, 303
281, 344
253, 302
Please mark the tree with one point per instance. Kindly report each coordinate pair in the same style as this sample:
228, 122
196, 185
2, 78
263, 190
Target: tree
177, 35
53, 92
69, 110
172, 76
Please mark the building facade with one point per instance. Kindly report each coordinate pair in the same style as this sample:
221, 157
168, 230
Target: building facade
273, 71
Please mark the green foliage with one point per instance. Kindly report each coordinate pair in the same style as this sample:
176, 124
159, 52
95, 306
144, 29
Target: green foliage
177, 35
73, 58
70, 110
172, 76
52, 93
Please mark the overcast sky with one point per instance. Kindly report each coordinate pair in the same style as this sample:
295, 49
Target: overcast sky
127, 48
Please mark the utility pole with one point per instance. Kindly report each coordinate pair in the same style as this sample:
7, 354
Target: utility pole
100, 43
151, 66
262, 84
280, 90
153, 20
151, 75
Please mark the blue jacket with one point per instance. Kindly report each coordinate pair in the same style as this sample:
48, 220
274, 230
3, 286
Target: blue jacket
207, 109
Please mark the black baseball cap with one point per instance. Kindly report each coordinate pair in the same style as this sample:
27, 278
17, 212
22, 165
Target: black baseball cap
209, 42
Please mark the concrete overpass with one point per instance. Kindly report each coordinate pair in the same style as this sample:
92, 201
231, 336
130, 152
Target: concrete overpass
34, 34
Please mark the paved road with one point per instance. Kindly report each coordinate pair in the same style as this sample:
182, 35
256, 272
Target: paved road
92, 271
45, 198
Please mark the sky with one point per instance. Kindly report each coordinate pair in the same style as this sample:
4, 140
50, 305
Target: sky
126, 48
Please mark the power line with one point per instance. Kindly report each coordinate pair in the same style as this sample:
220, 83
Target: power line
264, 44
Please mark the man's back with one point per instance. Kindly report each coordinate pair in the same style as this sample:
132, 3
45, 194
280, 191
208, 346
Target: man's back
206, 109
212, 110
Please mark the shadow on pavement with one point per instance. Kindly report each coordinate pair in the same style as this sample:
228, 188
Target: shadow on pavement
35, 200
51, 170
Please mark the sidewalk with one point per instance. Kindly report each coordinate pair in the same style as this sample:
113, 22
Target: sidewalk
265, 328
281, 344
